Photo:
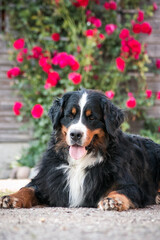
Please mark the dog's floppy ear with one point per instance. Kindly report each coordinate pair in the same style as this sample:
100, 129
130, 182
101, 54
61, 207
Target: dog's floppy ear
56, 111
113, 116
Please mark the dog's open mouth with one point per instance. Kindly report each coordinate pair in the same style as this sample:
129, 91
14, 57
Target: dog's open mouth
77, 152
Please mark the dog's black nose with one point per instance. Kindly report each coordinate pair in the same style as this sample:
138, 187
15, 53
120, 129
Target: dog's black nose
76, 135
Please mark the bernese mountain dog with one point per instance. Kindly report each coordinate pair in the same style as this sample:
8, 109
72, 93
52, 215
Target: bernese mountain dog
90, 162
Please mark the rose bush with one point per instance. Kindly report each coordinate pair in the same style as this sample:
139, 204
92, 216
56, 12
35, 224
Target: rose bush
62, 45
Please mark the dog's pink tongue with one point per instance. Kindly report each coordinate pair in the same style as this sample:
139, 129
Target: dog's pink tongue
77, 152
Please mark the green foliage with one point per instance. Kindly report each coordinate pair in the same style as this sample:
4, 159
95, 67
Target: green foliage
35, 21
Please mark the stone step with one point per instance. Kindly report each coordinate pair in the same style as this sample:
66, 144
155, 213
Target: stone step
4, 69
5, 86
150, 39
153, 81
154, 112
9, 126
5, 62
14, 138
153, 85
3, 75
10, 93
157, 12
7, 113
154, 22
8, 106
8, 118
4, 57
5, 51
153, 50
157, 103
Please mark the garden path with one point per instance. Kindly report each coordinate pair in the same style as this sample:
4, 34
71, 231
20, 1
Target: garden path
80, 223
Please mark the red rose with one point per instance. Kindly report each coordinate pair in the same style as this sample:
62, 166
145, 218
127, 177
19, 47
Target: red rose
72, 62
62, 59
14, 72
21, 54
81, 3
131, 102
55, 37
88, 68
113, 5
107, 5
101, 36
75, 66
146, 28
158, 63
97, 23
148, 93
135, 47
75, 77
120, 64
110, 94
37, 52
140, 17
88, 13
155, 7
52, 80
99, 45
124, 33
125, 49
78, 49
46, 68
89, 33
158, 95
136, 28
19, 57
19, 43
37, 111
110, 28
16, 108
43, 61
97, 1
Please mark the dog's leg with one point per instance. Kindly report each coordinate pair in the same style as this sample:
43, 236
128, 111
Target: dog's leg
24, 198
115, 201
157, 199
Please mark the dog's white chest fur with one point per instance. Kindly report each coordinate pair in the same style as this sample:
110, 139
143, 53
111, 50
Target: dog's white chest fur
76, 177
76, 174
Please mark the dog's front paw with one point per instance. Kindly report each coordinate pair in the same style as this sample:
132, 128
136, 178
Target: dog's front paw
158, 198
10, 202
115, 201
24, 198
111, 204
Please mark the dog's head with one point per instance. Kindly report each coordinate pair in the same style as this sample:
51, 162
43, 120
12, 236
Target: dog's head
84, 120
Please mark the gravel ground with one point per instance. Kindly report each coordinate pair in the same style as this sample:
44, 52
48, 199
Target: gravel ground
80, 223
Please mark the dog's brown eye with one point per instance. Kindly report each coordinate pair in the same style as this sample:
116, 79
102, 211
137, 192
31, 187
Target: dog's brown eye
71, 116
91, 117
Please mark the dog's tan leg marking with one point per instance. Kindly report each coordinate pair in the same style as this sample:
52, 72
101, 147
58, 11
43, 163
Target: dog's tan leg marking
115, 201
24, 198
157, 199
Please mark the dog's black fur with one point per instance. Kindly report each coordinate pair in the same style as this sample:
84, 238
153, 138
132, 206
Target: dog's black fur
130, 164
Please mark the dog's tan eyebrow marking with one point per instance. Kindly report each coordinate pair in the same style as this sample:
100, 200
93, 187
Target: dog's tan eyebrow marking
64, 130
74, 110
88, 113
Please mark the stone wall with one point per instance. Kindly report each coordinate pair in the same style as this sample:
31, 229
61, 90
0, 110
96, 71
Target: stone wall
153, 49
12, 139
